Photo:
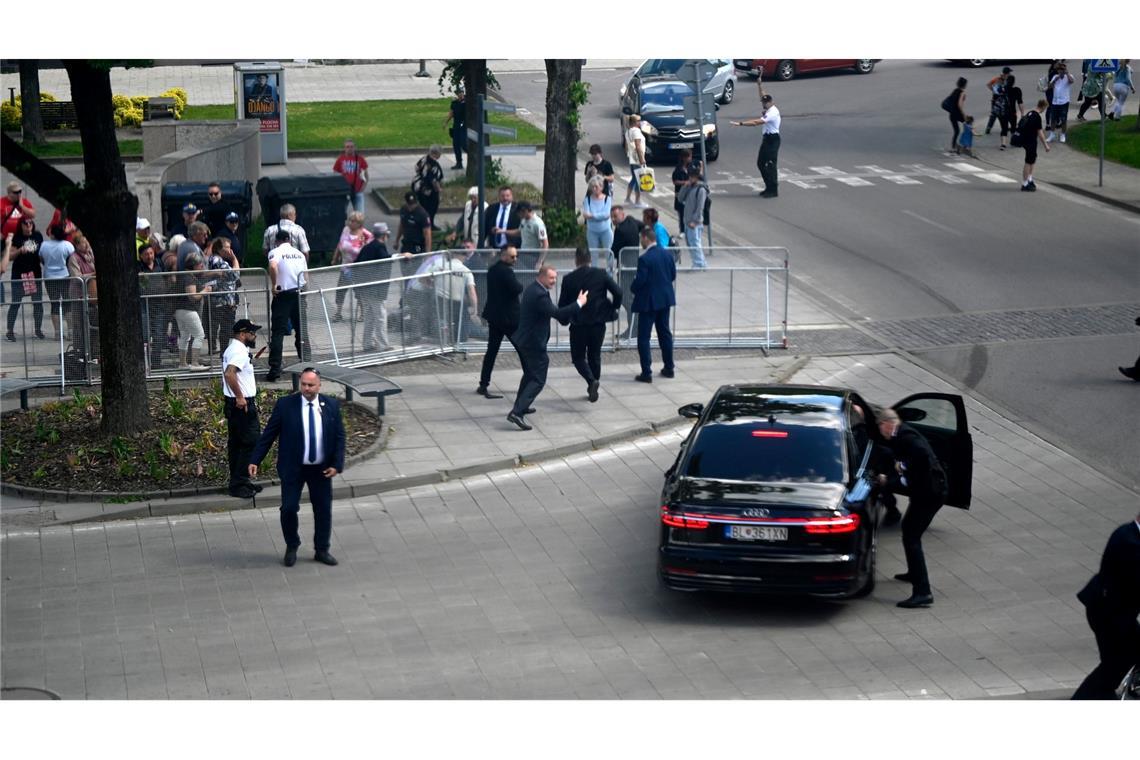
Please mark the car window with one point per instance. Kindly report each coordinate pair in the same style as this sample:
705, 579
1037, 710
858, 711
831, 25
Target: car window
757, 450
931, 412
664, 97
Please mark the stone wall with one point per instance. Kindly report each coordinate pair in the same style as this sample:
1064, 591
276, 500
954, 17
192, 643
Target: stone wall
195, 151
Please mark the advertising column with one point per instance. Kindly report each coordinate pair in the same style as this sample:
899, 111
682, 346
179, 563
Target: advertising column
259, 93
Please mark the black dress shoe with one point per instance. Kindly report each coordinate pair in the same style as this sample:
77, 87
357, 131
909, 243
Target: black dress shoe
482, 391
518, 421
256, 488
12, 338
668, 373
905, 577
592, 391
325, 558
767, 194
892, 517
915, 601
272, 377
1130, 372
530, 410
245, 492
643, 378
290, 556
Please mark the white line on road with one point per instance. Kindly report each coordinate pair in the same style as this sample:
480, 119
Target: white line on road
889, 176
933, 223
964, 167
994, 177
926, 171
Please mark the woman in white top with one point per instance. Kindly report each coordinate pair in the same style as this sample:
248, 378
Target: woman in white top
54, 254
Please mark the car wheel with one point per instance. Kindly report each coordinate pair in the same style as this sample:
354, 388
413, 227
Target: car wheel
728, 94
869, 585
976, 63
864, 66
785, 70
712, 151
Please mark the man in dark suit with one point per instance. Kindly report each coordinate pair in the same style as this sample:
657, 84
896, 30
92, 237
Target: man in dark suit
530, 339
311, 452
627, 237
653, 297
1112, 602
918, 471
501, 222
588, 325
501, 310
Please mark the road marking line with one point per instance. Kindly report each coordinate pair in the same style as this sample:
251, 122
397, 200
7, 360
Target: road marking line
839, 176
926, 171
889, 176
993, 177
933, 223
964, 167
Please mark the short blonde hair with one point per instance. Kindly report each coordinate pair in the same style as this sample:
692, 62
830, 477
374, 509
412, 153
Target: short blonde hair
356, 216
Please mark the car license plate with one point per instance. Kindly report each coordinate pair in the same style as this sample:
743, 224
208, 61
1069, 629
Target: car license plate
680, 146
755, 533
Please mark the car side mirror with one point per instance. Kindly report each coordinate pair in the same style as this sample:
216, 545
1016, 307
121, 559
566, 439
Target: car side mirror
627, 110
692, 411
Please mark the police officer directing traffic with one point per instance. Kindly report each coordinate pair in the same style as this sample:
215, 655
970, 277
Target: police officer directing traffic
240, 391
769, 144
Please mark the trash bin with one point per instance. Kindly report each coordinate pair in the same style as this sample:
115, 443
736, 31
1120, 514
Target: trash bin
320, 199
236, 196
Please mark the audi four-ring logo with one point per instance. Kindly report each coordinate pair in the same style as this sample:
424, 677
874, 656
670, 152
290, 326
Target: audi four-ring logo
756, 513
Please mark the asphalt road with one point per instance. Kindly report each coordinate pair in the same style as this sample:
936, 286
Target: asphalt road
928, 243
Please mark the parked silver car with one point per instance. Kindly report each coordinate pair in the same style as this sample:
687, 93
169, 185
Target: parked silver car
719, 74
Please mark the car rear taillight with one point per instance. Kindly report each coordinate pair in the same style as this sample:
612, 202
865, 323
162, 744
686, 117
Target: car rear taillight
842, 524
680, 520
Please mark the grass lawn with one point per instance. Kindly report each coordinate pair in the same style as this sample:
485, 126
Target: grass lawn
1121, 140
372, 124
69, 148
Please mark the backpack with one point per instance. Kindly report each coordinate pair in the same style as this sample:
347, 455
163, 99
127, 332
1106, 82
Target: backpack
708, 204
1017, 136
950, 102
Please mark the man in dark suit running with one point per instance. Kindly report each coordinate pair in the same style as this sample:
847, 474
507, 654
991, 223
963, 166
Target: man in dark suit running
311, 452
531, 337
501, 311
1112, 602
919, 474
588, 325
653, 297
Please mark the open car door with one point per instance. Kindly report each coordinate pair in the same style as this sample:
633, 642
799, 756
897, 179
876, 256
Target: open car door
941, 418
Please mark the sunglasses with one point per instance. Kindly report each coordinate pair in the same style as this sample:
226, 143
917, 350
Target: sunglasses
15, 192
214, 195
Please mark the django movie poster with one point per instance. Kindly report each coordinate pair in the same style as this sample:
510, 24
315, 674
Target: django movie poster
262, 100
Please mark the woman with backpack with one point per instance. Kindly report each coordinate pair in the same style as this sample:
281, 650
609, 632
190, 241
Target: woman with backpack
955, 105
1013, 108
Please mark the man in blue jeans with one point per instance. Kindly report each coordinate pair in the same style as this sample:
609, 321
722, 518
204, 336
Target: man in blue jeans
653, 297
693, 197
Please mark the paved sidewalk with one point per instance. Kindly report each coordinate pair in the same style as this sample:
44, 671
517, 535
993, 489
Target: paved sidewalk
538, 582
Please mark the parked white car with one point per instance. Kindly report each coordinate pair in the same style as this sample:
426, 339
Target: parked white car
719, 74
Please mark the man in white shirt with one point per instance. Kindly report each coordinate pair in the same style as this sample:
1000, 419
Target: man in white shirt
1062, 84
454, 283
287, 267
240, 390
635, 152
288, 221
769, 144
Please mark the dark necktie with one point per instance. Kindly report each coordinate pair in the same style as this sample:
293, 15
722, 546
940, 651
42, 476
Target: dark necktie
471, 223
312, 435
502, 223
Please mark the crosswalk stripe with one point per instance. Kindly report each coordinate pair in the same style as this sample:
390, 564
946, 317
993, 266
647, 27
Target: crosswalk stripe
964, 167
840, 176
889, 176
999, 178
926, 171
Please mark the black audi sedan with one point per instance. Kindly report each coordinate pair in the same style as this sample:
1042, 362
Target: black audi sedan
772, 490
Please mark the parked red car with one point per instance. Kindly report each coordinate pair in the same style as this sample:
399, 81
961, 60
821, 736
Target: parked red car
786, 68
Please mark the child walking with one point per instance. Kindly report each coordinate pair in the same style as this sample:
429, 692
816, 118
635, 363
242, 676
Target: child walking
966, 140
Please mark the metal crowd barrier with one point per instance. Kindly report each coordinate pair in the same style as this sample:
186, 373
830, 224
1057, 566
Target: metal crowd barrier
34, 307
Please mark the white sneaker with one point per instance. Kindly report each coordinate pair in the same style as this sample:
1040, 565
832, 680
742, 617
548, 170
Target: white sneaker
1062, 137
1049, 137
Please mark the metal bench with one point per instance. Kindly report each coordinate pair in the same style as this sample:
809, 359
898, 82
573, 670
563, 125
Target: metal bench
158, 108
59, 114
18, 385
354, 381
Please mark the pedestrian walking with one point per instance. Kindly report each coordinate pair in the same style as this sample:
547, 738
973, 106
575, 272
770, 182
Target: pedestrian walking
596, 207
966, 139
457, 115
635, 152
501, 312
598, 166
467, 226
1013, 108
413, 232
310, 453
239, 389
54, 254
1092, 91
193, 288
588, 324
1121, 87
693, 197
23, 251
1112, 603
955, 105
1031, 131
918, 471
535, 313
626, 248
354, 168
1062, 84
287, 269
352, 239
767, 158
685, 164
997, 86
376, 267
428, 183
653, 298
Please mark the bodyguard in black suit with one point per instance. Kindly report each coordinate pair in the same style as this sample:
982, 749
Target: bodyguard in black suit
918, 470
501, 222
1112, 602
588, 325
501, 310
531, 337
310, 452
653, 297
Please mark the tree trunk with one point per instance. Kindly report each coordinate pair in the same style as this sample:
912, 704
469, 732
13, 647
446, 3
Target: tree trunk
30, 120
105, 210
560, 165
475, 82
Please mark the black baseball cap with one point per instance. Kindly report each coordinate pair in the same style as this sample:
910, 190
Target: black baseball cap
1007, 70
244, 325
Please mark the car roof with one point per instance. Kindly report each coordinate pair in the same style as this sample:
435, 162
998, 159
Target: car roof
732, 402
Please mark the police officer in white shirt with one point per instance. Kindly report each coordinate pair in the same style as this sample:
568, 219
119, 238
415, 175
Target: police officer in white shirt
769, 144
287, 267
240, 391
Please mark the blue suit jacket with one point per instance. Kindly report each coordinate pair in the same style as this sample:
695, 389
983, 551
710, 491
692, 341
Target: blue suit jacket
285, 424
653, 284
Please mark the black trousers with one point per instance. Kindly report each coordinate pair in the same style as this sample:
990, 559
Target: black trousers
1087, 102
919, 514
586, 350
534, 366
766, 162
37, 304
286, 307
320, 494
243, 428
430, 202
495, 335
1118, 642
